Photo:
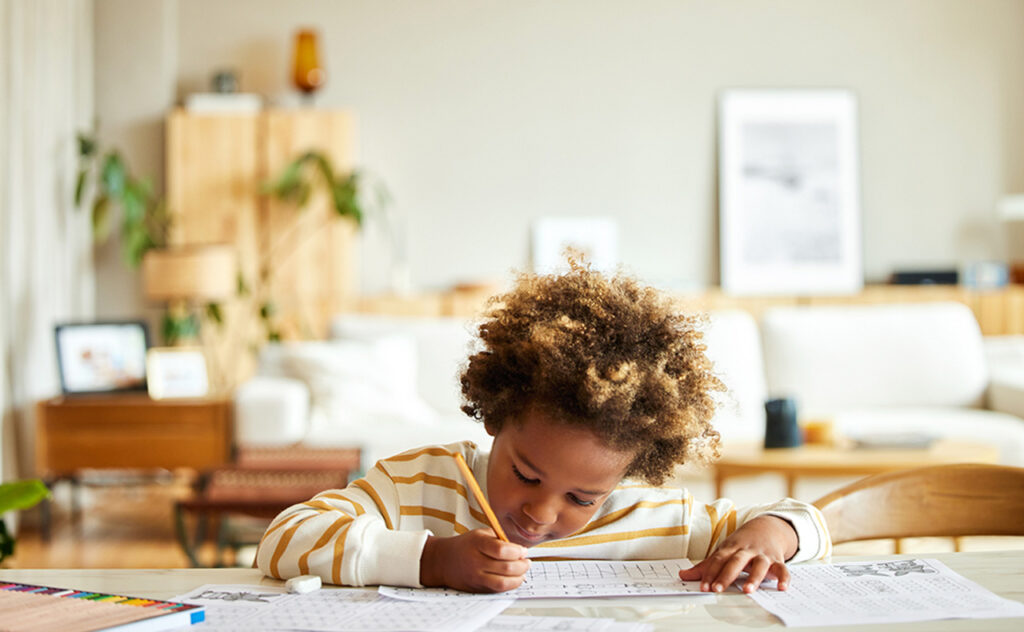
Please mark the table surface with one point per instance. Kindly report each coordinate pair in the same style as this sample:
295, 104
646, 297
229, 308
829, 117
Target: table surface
1000, 571
844, 457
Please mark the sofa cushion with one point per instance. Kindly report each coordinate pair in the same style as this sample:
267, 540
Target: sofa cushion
838, 357
357, 382
734, 347
442, 345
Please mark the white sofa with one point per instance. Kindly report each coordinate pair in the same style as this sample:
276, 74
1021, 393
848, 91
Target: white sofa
390, 383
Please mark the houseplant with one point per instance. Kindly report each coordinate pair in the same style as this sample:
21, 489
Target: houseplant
145, 222
17, 495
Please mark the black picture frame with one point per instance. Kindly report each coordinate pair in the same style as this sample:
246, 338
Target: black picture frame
102, 357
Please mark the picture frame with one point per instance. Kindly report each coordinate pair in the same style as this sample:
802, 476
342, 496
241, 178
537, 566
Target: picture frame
177, 373
596, 239
789, 192
102, 357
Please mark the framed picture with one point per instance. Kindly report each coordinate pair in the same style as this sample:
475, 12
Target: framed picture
102, 357
789, 202
177, 372
595, 238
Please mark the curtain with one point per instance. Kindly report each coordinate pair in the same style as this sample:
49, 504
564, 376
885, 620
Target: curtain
46, 267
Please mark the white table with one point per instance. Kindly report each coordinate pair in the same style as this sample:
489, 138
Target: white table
1000, 571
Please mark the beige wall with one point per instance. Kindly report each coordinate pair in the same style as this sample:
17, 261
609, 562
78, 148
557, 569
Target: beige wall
484, 115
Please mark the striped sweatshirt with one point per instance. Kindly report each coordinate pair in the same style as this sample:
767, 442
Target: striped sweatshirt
374, 530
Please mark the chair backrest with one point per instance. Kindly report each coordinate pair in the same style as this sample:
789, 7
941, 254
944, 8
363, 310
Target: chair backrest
941, 500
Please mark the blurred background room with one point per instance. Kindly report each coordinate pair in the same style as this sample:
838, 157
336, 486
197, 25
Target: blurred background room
243, 242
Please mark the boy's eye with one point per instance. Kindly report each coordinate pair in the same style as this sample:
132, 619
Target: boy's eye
579, 501
520, 476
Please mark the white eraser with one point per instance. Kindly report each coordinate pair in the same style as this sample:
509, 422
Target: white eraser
303, 584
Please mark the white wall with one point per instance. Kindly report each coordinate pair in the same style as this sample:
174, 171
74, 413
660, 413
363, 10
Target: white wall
483, 115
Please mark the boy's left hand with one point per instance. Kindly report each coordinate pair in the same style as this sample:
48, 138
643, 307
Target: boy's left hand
760, 547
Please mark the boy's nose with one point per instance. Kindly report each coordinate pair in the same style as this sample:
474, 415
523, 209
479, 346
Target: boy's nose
541, 510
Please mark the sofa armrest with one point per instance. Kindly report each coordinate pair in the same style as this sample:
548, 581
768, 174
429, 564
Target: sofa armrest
1006, 391
271, 411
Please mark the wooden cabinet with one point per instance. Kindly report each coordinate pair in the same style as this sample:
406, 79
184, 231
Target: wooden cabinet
302, 261
130, 431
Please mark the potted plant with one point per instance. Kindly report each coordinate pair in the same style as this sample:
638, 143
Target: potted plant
17, 495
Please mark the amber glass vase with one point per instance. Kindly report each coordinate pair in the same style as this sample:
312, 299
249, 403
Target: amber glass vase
307, 71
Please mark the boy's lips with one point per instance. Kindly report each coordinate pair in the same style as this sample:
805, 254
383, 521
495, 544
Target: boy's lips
529, 536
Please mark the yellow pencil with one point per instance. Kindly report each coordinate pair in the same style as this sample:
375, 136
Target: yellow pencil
491, 518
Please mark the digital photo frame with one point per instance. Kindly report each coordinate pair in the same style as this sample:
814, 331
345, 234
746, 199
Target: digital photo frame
102, 357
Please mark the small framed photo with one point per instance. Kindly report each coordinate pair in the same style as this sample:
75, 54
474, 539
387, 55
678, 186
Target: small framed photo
789, 196
595, 238
177, 372
102, 357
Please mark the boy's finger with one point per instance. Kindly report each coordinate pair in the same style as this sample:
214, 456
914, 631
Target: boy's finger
693, 573
517, 568
729, 571
499, 550
756, 570
712, 568
781, 572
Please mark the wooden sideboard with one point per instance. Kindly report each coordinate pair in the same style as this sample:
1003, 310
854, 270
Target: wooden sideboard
130, 431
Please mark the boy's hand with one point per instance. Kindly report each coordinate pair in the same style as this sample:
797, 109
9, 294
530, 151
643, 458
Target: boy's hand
476, 561
760, 547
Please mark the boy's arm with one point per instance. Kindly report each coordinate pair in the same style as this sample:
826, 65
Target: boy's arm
348, 537
711, 524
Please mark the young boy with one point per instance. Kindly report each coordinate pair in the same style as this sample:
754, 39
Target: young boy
594, 389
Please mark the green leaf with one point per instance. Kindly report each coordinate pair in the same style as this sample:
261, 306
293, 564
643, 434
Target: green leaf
83, 173
86, 145
214, 313
6, 542
267, 310
101, 218
176, 329
21, 494
112, 175
243, 287
132, 205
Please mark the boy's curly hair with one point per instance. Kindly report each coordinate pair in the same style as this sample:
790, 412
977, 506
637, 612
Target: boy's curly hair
601, 352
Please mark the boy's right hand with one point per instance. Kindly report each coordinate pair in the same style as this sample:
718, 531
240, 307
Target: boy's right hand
476, 561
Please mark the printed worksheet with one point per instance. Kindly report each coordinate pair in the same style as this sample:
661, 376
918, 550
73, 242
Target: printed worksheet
510, 623
578, 578
241, 608
881, 592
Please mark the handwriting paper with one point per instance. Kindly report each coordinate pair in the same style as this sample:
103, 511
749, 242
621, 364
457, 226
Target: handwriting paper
578, 578
240, 608
881, 592
509, 623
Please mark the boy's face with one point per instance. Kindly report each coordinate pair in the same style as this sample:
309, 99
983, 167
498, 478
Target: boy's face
546, 479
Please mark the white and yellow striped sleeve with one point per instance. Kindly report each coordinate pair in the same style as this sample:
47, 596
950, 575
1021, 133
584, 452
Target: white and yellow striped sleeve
710, 524
347, 537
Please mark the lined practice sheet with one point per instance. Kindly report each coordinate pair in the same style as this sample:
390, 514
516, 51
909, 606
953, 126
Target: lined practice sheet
881, 591
241, 608
577, 578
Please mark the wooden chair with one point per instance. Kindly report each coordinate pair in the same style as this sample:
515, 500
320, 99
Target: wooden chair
941, 500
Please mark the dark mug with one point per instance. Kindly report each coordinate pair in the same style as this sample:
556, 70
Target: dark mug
781, 429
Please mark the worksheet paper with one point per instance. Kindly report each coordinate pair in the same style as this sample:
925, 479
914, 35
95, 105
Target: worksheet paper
578, 578
240, 608
885, 591
509, 623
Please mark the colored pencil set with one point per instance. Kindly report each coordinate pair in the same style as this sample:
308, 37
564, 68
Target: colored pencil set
29, 608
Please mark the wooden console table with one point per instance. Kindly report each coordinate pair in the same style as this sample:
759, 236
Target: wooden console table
750, 459
129, 431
